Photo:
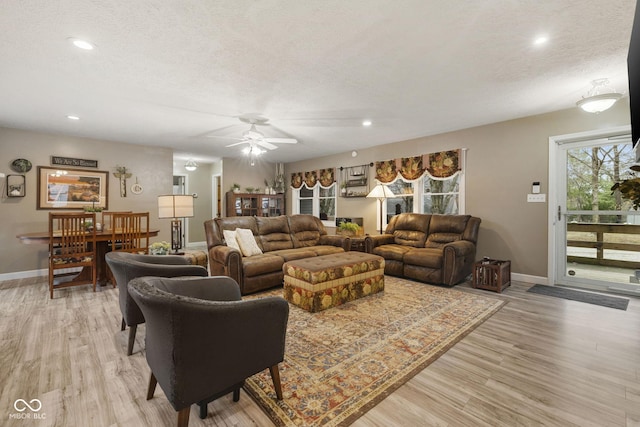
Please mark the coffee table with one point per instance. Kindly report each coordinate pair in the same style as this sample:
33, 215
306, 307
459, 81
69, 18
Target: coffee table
322, 282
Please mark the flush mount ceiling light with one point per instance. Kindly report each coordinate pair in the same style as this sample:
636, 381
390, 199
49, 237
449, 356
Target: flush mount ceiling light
81, 44
191, 165
70, 117
600, 97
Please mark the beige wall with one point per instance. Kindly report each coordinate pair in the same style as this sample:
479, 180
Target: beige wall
503, 159
152, 167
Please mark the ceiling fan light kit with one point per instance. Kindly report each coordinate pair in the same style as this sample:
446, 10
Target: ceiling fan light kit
191, 165
258, 143
596, 101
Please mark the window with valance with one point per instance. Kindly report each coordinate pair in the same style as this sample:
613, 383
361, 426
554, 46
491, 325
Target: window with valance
430, 183
314, 192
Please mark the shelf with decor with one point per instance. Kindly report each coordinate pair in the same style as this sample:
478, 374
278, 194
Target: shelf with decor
254, 204
354, 180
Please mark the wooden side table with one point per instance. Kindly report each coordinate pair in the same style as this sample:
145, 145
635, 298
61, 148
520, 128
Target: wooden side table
492, 274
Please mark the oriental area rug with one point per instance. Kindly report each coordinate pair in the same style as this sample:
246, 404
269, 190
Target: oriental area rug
341, 362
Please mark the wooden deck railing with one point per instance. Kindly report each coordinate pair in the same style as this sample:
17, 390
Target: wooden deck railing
600, 245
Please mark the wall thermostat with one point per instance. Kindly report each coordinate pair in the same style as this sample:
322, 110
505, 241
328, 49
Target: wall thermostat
535, 188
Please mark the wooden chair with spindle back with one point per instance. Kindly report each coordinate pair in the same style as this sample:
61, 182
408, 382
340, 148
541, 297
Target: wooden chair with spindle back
72, 244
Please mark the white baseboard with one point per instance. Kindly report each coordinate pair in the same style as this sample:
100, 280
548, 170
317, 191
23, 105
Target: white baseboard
34, 273
526, 278
196, 245
24, 274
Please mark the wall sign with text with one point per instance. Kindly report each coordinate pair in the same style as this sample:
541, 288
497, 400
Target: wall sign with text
69, 161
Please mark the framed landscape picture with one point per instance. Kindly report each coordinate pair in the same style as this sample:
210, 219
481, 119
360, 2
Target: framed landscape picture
64, 188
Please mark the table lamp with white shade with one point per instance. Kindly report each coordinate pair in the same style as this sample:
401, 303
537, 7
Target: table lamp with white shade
381, 192
175, 206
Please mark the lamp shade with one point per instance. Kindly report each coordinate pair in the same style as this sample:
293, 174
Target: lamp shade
175, 206
381, 192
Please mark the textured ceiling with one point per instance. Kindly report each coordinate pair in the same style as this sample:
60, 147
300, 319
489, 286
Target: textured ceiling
175, 73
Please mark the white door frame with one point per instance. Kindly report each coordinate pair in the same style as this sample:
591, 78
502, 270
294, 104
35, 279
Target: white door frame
554, 188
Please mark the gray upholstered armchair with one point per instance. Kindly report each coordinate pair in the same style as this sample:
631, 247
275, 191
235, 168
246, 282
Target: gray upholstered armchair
202, 340
126, 266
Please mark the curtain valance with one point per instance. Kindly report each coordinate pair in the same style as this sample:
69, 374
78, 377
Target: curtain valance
322, 177
440, 165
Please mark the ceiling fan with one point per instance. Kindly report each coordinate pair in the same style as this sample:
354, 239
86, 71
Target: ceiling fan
254, 138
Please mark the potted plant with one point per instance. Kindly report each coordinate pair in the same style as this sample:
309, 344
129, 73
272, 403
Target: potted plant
235, 187
159, 248
629, 190
349, 229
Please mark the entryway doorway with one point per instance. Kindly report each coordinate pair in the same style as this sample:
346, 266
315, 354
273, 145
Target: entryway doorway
594, 239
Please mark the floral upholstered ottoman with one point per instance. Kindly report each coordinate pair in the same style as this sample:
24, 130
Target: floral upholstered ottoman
322, 282
195, 257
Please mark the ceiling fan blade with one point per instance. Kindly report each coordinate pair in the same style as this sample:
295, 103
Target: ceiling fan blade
265, 144
282, 140
237, 143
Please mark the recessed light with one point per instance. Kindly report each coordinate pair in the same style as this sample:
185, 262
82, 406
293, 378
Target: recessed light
82, 44
73, 117
540, 40
367, 123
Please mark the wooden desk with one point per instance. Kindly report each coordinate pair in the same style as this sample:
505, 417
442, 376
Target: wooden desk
102, 245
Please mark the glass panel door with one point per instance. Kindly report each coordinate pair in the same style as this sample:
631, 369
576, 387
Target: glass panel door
598, 229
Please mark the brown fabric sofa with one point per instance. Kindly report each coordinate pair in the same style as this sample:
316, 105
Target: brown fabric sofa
436, 249
282, 238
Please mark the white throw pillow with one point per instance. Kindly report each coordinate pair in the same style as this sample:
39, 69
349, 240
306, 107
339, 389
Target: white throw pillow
230, 239
247, 242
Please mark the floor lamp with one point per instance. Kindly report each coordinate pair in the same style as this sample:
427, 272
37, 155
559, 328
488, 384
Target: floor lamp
381, 192
175, 206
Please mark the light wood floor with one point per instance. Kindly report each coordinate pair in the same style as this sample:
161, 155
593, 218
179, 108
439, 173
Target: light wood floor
538, 361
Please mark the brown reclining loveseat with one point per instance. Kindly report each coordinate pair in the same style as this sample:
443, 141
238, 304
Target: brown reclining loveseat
436, 249
280, 239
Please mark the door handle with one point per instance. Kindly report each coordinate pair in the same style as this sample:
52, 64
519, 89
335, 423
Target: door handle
559, 213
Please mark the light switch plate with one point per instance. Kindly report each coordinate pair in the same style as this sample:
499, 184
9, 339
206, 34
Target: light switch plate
536, 198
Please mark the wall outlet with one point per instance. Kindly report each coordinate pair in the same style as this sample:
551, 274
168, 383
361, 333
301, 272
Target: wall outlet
536, 198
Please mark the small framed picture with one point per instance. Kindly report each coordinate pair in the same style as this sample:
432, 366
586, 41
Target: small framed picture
15, 186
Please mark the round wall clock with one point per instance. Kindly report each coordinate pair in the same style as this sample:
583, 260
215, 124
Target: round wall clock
21, 165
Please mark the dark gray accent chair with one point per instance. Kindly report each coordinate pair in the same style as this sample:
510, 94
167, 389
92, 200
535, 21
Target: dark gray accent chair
202, 340
127, 266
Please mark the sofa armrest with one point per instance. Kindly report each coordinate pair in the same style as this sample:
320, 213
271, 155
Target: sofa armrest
343, 242
371, 242
460, 248
458, 261
225, 261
